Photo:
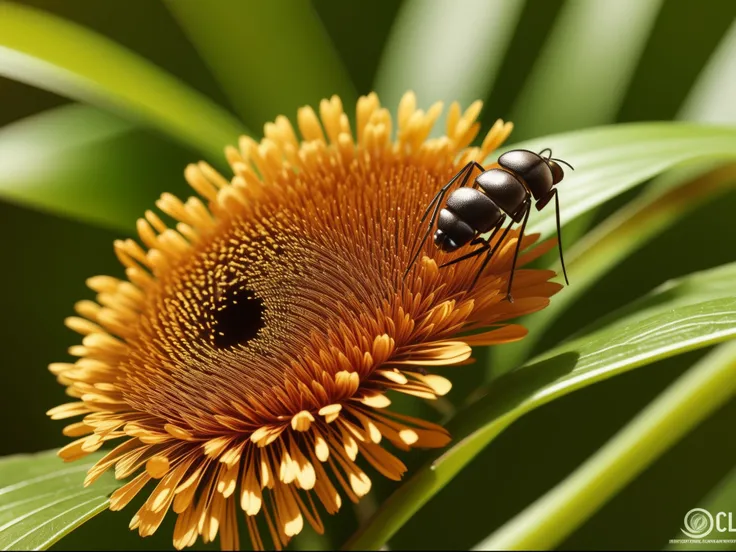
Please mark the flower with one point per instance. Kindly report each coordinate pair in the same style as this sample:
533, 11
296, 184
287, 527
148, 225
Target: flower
245, 362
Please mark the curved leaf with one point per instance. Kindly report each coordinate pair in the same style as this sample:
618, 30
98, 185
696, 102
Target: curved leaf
42, 499
435, 50
284, 57
79, 162
42, 50
661, 206
679, 316
610, 160
583, 71
680, 408
711, 99
581, 76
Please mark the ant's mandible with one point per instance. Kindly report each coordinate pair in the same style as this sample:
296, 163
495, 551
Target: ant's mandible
495, 194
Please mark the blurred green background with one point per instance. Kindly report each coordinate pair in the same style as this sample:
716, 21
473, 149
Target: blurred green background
548, 65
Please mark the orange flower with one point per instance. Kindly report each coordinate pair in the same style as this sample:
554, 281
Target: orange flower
246, 360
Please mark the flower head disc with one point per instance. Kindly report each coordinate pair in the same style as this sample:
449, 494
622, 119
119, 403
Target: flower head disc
246, 360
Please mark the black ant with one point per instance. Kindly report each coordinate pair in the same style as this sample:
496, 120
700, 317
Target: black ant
508, 190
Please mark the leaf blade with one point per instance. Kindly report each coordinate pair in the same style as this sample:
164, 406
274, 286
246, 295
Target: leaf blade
584, 68
427, 41
42, 499
711, 97
92, 174
682, 406
45, 51
219, 28
613, 159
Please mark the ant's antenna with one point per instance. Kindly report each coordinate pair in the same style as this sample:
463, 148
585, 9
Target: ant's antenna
562, 161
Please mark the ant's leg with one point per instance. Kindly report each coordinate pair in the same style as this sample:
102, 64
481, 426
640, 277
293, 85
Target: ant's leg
491, 252
436, 202
493, 233
482, 170
559, 234
528, 207
481, 269
470, 255
467, 169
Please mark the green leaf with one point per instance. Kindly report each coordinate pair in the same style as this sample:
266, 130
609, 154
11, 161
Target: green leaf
680, 316
610, 160
35, 158
675, 55
581, 76
42, 499
82, 163
711, 99
434, 50
696, 288
270, 57
686, 403
583, 71
42, 50
661, 206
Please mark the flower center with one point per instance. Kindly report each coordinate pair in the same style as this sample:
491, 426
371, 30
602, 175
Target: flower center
265, 297
238, 317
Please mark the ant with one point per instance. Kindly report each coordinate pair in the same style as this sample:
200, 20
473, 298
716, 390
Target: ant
508, 190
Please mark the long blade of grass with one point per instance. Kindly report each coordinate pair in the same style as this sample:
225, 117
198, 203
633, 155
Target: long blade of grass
445, 53
711, 99
686, 403
581, 76
270, 57
82, 163
45, 51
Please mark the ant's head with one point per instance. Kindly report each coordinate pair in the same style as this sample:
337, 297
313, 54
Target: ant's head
554, 165
444, 242
557, 173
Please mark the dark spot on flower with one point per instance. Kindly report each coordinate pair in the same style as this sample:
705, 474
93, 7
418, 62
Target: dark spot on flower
238, 317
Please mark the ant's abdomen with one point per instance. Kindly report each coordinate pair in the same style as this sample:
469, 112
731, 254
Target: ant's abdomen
506, 190
474, 208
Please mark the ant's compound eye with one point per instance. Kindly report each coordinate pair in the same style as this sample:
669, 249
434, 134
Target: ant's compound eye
557, 173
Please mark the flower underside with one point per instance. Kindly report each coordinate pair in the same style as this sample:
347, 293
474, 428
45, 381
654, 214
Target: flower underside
245, 362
